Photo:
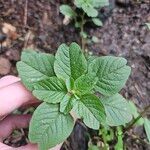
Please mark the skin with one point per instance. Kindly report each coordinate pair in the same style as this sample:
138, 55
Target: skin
12, 96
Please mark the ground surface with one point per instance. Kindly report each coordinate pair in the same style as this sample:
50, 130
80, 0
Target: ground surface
39, 25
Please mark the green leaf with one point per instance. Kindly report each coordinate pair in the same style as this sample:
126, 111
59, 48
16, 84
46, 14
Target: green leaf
70, 62
91, 110
83, 34
148, 25
100, 3
34, 67
77, 24
67, 11
135, 113
85, 83
95, 39
87, 7
49, 127
51, 90
112, 73
147, 128
90, 59
70, 84
79, 3
66, 105
93, 147
92, 3
90, 11
117, 110
97, 21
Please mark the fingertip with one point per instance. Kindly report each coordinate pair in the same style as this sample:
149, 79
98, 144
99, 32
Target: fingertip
13, 96
7, 80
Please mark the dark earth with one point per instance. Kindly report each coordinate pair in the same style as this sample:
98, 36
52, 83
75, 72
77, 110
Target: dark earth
39, 25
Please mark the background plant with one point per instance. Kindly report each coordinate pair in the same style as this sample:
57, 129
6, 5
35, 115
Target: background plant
82, 12
69, 82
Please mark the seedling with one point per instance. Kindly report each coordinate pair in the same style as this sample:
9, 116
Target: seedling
68, 82
83, 11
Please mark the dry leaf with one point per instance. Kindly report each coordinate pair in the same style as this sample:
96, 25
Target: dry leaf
10, 32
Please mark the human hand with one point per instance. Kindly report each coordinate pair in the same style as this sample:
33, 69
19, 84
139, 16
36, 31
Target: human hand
12, 96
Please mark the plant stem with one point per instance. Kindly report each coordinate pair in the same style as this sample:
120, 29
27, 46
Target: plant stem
82, 31
136, 119
104, 138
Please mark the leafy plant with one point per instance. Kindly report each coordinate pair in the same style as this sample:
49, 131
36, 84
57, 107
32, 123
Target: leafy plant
82, 12
140, 119
69, 82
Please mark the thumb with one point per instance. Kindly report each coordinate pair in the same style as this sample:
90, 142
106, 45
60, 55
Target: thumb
27, 147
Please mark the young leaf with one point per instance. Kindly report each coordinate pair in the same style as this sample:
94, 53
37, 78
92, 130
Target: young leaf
79, 3
85, 83
87, 7
51, 90
34, 67
147, 128
91, 110
112, 74
100, 3
67, 11
69, 84
148, 25
117, 110
93, 147
83, 34
70, 62
49, 127
90, 10
65, 104
97, 21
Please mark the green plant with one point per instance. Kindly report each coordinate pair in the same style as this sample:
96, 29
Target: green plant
88, 13
140, 119
69, 82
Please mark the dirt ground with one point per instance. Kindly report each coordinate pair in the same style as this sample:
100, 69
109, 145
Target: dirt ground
39, 25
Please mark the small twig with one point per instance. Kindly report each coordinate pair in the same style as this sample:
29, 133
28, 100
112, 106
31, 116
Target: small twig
138, 138
136, 119
27, 38
138, 91
25, 13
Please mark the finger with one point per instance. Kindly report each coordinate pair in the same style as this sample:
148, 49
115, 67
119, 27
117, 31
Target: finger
27, 147
7, 80
57, 147
13, 122
12, 97
5, 147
